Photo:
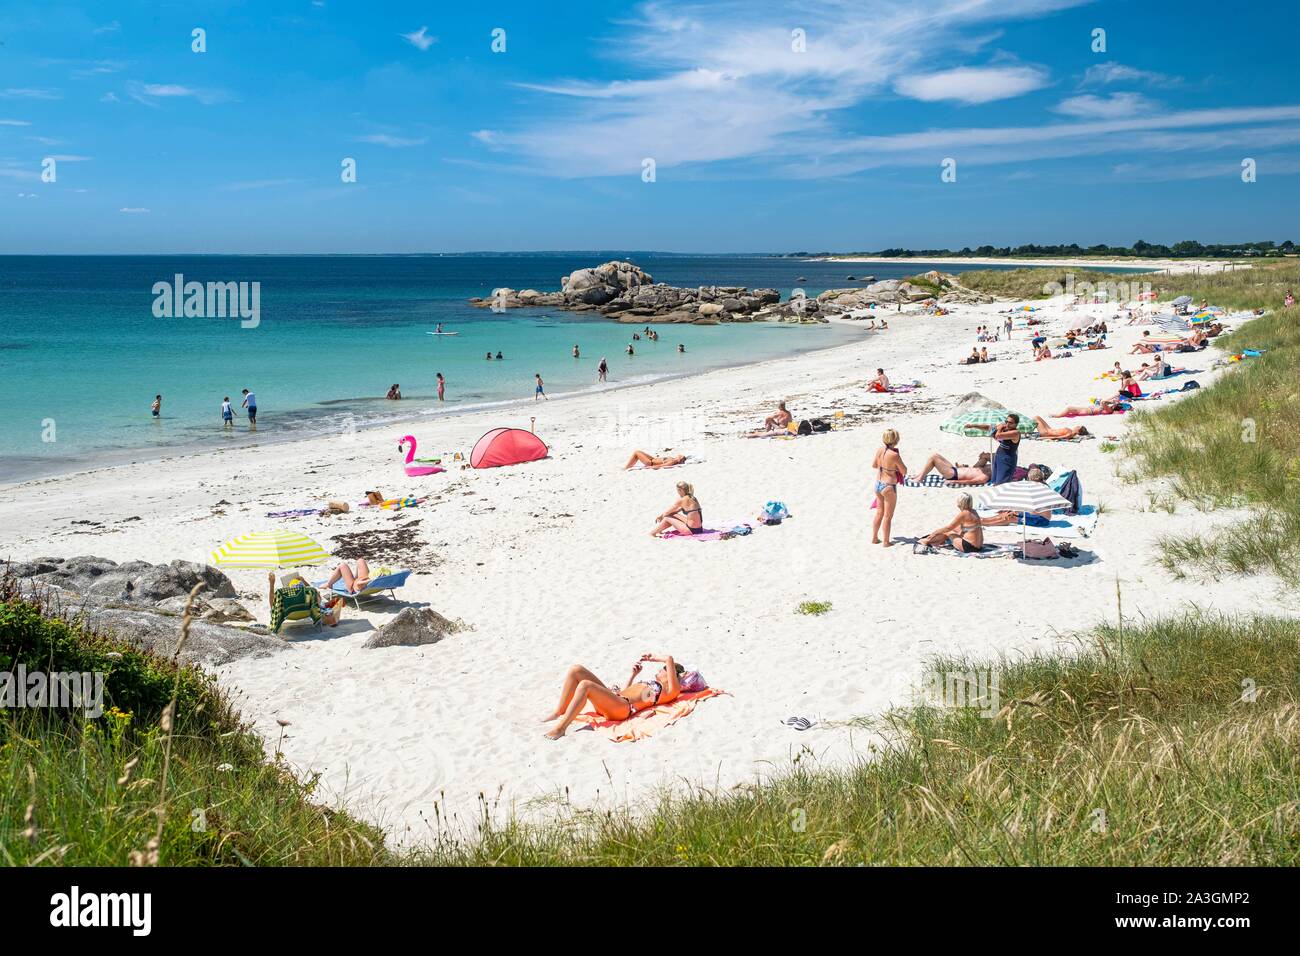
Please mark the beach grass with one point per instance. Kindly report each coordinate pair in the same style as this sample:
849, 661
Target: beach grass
1159, 743
813, 608
1039, 282
1236, 445
1155, 743
167, 774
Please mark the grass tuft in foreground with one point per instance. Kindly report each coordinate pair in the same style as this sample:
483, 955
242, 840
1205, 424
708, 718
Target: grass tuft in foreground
1169, 743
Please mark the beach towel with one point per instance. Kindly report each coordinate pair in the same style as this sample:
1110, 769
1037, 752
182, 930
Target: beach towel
295, 602
1081, 525
648, 722
990, 550
295, 513
723, 533
932, 480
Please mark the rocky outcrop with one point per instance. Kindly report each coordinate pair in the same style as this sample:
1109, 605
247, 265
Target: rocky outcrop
628, 293
142, 604
414, 627
891, 293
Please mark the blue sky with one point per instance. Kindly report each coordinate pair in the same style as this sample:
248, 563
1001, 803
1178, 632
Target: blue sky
758, 146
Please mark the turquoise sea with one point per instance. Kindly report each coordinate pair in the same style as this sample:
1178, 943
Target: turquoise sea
82, 354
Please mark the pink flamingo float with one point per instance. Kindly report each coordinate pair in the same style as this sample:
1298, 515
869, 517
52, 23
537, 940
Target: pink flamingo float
412, 470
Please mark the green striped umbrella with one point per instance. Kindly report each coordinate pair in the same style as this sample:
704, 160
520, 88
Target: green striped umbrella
269, 549
961, 424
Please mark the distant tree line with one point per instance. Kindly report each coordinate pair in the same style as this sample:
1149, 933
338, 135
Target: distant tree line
1187, 249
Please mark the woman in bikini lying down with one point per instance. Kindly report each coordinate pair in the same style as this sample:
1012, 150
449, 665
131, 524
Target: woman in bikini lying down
964, 533
1058, 434
653, 461
581, 686
976, 474
1108, 406
684, 515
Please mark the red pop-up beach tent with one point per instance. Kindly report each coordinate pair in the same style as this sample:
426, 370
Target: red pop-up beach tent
506, 446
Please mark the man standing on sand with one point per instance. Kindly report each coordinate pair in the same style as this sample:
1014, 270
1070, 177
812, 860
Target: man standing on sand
250, 402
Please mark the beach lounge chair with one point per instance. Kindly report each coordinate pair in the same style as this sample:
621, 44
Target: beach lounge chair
388, 581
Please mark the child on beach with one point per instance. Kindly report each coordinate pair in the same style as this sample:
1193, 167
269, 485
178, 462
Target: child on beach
227, 414
539, 393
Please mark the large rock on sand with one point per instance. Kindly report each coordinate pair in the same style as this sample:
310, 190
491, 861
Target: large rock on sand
100, 580
414, 627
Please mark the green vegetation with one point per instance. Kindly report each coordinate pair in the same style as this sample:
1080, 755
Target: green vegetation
90, 792
1187, 249
814, 608
1039, 283
1163, 744
1237, 444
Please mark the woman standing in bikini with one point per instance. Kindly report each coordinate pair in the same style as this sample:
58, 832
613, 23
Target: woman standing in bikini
889, 467
582, 686
684, 516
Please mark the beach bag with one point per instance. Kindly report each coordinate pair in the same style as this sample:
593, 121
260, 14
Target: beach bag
1191, 386
818, 425
774, 512
805, 427
1041, 550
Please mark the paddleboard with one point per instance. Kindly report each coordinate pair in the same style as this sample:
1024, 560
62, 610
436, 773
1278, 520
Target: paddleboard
442, 333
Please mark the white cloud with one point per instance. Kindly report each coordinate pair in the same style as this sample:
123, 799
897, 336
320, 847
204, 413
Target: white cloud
29, 93
12, 122
420, 39
973, 84
27, 195
719, 81
393, 142
1107, 73
1114, 106
113, 27
149, 93
109, 98
45, 140
134, 210
70, 159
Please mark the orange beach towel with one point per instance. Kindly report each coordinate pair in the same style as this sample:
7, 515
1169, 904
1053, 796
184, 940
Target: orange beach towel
647, 722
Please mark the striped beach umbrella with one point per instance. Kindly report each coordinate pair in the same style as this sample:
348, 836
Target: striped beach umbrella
269, 549
1026, 497
962, 424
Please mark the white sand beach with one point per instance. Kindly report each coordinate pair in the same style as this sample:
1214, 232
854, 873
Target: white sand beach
551, 563
1170, 266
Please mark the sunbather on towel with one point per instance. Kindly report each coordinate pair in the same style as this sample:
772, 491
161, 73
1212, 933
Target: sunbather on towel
355, 581
582, 686
976, 474
298, 596
778, 420
684, 515
653, 461
1058, 434
963, 533
880, 383
1107, 407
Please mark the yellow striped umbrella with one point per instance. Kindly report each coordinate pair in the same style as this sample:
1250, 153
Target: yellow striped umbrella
269, 549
